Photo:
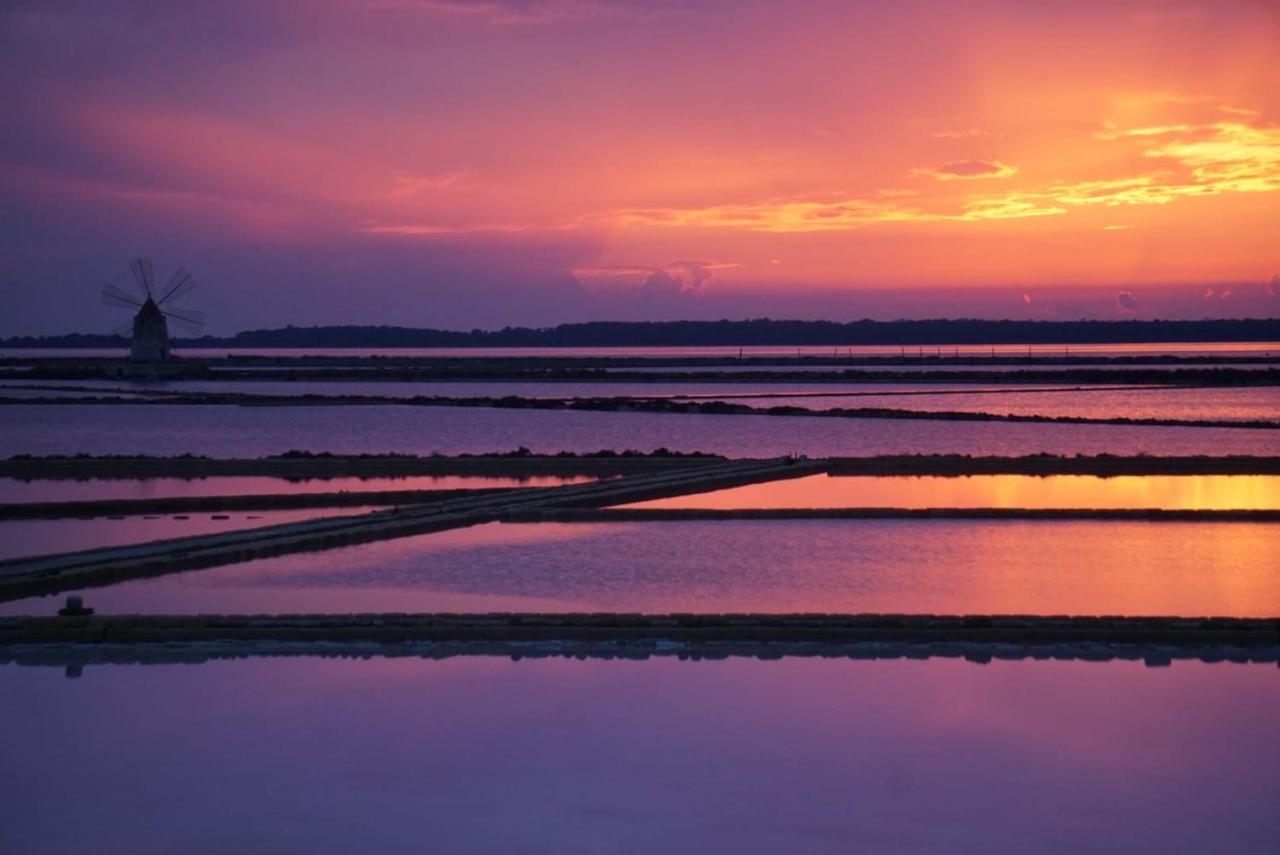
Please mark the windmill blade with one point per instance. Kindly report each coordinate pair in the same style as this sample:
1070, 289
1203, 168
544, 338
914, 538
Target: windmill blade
141, 268
124, 330
188, 327
180, 283
188, 320
121, 299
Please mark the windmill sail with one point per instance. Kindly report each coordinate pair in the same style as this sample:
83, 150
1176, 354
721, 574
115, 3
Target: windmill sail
180, 283
121, 299
189, 320
141, 268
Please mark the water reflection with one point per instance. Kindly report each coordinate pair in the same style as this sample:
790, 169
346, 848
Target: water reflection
65, 490
20, 538
1206, 348
258, 431
1180, 492
1258, 403
489, 755
939, 566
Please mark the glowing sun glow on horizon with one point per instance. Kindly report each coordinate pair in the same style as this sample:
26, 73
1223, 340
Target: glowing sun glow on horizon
912, 145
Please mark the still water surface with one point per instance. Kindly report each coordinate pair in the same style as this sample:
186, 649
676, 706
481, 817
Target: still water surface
42, 537
459, 389
1211, 348
66, 490
1256, 403
921, 566
224, 431
1178, 492
1224, 404
488, 755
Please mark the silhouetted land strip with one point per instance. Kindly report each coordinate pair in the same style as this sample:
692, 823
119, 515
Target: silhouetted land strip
723, 333
308, 465
717, 631
629, 405
643, 515
76, 657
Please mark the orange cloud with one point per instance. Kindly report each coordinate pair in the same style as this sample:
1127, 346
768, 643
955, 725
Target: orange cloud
966, 134
773, 215
1205, 160
1228, 157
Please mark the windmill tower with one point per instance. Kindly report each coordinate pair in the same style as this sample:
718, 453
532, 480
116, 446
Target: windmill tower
150, 325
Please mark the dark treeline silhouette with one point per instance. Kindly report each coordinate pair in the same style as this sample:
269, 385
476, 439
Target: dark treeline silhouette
721, 333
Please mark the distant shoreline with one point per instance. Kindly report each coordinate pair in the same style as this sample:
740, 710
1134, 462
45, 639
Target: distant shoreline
746, 333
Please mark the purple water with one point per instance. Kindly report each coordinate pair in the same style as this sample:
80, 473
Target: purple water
21, 538
1222, 404
1244, 348
460, 389
17, 490
224, 431
489, 755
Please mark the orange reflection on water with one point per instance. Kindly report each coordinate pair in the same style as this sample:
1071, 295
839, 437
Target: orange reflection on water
1172, 492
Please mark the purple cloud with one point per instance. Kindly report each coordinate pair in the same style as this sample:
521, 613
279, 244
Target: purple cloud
970, 169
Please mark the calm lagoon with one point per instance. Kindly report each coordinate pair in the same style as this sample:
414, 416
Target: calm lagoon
67, 490
483, 754
228, 431
850, 566
1169, 492
19, 538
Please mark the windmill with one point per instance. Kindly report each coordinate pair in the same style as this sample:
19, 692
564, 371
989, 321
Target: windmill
149, 326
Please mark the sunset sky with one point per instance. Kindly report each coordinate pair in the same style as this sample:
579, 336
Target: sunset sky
455, 164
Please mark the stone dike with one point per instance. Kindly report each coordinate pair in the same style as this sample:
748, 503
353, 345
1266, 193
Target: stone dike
1258, 634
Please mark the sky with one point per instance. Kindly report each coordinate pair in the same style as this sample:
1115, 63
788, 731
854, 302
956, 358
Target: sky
456, 164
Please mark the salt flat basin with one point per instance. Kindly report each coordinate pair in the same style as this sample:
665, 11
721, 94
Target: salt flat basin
65, 490
606, 388
1227, 403
1205, 348
1168, 492
965, 365
225, 431
1250, 403
918, 566
19, 538
484, 754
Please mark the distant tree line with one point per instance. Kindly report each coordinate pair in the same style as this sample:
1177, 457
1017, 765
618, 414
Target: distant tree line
718, 333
